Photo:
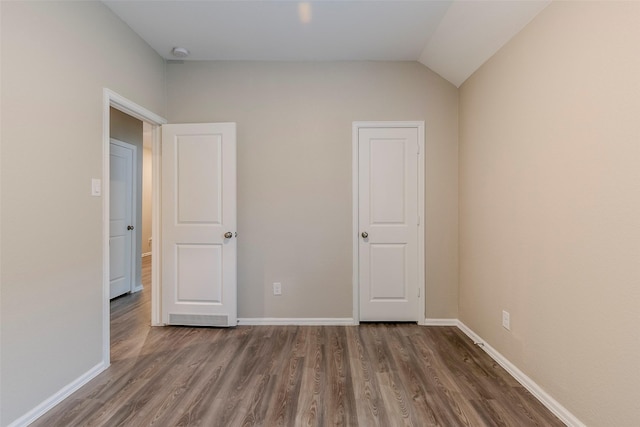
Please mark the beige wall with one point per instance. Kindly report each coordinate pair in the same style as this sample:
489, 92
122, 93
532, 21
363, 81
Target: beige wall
147, 164
129, 129
550, 206
56, 59
294, 172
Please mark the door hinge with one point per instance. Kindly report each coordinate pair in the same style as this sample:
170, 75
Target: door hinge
418, 147
418, 219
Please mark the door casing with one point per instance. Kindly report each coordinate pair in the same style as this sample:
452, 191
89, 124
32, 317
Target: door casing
419, 125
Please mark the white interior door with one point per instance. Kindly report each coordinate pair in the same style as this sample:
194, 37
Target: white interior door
388, 223
121, 217
199, 224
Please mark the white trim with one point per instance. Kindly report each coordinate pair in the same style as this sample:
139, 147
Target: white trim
137, 288
146, 254
58, 397
356, 126
422, 309
441, 322
1, 227
129, 107
300, 321
355, 209
112, 99
549, 402
156, 242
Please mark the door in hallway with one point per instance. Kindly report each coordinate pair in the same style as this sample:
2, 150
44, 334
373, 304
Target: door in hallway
121, 217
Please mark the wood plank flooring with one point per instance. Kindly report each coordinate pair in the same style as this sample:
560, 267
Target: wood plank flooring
368, 375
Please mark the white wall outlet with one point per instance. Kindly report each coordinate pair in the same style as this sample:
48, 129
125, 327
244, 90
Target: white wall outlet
277, 288
506, 320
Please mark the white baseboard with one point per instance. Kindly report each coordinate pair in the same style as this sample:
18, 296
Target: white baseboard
58, 397
146, 254
137, 288
441, 322
549, 402
300, 321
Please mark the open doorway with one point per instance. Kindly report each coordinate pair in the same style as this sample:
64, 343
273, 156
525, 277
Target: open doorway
130, 223
125, 203
116, 107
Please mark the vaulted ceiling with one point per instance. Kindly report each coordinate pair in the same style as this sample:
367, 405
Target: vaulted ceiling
453, 38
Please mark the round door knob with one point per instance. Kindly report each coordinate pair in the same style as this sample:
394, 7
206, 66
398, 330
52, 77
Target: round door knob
365, 234
130, 227
228, 235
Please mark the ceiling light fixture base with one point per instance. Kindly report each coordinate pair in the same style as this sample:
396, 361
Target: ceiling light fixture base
180, 52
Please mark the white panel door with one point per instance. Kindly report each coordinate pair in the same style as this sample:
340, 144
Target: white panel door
388, 223
121, 217
199, 224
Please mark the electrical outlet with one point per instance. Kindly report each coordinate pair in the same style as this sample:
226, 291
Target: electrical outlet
506, 320
277, 288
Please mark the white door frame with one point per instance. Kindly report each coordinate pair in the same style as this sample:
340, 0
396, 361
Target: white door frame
133, 286
112, 99
419, 125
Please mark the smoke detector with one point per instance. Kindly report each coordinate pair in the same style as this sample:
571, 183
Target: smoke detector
180, 52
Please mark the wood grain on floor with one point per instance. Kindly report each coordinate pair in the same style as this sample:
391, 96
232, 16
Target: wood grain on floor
369, 375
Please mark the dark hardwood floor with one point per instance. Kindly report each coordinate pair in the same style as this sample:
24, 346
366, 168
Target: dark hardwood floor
368, 375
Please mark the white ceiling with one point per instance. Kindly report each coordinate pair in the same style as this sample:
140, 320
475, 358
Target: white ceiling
453, 38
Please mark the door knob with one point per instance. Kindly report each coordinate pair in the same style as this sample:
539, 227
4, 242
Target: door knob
228, 235
365, 234
130, 227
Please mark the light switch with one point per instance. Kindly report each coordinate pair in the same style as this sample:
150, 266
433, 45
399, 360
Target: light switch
96, 187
